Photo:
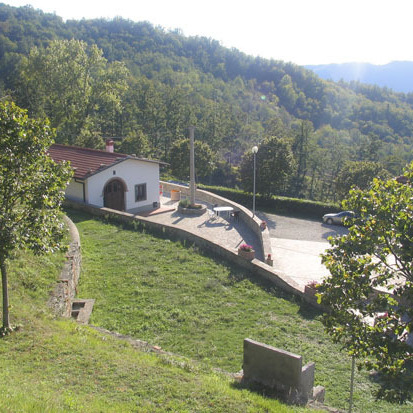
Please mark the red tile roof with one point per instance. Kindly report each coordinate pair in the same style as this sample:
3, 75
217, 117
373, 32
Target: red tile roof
86, 161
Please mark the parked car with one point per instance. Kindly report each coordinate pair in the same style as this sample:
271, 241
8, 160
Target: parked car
337, 218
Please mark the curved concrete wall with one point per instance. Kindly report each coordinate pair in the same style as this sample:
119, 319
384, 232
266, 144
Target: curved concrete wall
245, 214
256, 267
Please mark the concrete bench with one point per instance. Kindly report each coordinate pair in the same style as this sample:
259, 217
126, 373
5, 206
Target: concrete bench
280, 370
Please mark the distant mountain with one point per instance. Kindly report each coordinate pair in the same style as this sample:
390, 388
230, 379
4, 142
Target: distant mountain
395, 75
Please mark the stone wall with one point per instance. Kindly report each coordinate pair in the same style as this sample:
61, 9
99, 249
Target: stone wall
64, 292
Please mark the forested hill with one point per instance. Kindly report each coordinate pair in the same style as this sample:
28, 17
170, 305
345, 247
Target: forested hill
146, 85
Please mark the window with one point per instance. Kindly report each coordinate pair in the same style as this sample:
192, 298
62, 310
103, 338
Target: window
140, 192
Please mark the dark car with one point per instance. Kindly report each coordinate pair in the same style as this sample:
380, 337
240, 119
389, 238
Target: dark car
337, 218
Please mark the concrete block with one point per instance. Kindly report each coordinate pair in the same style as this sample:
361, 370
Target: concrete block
319, 393
279, 370
269, 365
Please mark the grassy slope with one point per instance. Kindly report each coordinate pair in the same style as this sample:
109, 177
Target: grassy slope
57, 365
191, 304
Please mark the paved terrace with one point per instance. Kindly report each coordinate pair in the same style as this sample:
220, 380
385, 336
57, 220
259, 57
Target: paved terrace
223, 230
222, 235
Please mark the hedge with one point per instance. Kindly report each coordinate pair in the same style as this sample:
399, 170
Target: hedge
275, 204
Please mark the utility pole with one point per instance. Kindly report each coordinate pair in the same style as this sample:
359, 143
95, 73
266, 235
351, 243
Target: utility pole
254, 151
192, 164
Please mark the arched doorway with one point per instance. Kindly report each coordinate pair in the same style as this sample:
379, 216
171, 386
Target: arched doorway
114, 195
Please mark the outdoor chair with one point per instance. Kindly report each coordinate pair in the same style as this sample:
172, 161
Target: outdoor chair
212, 215
235, 215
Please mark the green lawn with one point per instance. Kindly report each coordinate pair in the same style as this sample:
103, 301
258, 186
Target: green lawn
191, 304
53, 365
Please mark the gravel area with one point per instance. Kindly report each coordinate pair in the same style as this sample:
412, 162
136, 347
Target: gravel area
297, 245
300, 229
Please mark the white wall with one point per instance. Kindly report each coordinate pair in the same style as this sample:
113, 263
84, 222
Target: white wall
132, 172
74, 191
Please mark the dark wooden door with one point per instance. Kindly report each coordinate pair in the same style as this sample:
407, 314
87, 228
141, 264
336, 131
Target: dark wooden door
114, 195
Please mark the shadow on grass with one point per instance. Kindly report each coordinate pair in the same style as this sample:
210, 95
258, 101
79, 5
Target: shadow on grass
77, 216
309, 312
397, 390
238, 274
263, 391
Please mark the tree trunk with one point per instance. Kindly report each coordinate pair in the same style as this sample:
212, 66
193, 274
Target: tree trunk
6, 319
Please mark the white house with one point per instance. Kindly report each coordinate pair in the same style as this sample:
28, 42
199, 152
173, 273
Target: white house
109, 179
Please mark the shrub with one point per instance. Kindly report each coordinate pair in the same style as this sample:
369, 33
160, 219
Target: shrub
186, 203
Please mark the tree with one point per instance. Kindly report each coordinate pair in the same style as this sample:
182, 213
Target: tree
359, 174
70, 83
135, 143
370, 291
31, 191
274, 163
300, 149
204, 159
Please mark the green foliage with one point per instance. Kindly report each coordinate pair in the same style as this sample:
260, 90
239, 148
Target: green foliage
31, 184
179, 159
371, 275
274, 164
31, 189
186, 203
135, 143
70, 83
47, 364
276, 204
358, 174
145, 86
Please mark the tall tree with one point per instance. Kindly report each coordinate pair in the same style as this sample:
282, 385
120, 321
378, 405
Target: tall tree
31, 190
274, 165
204, 159
70, 82
358, 174
301, 152
369, 293
135, 143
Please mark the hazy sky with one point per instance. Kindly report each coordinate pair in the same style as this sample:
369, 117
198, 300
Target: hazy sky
298, 31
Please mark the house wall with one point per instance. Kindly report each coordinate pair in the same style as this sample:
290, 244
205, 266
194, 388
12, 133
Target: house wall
132, 172
74, 191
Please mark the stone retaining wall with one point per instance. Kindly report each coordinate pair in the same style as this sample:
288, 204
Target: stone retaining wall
64, 292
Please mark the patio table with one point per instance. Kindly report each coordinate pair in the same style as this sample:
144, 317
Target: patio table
226, 209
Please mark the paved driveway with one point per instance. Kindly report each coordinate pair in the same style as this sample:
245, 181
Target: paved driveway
297, 244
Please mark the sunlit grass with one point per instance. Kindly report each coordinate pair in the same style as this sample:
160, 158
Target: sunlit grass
53, 365
201, 307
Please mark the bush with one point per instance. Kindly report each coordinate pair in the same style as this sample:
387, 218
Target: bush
185, 203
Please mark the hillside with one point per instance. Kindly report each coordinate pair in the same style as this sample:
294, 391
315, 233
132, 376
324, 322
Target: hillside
144, 86
394, 75
58, 365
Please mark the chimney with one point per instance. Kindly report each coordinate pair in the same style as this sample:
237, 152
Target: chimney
109, 145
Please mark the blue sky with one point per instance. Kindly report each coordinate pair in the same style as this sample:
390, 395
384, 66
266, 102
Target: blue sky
298, 31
